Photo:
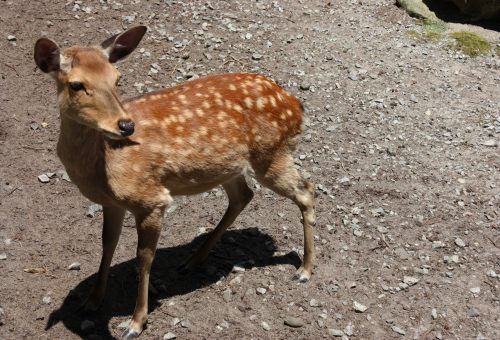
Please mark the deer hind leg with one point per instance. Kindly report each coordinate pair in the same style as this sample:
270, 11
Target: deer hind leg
279, 175
111, 229
239, 195
148, 231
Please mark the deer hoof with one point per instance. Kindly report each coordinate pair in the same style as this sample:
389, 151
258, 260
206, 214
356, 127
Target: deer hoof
302, 275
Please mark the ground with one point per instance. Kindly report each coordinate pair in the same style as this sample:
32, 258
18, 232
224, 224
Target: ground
401, 141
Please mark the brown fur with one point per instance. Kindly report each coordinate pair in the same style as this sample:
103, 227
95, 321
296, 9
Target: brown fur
187, 139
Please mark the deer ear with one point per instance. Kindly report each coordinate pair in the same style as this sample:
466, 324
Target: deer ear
121, 45
47, 55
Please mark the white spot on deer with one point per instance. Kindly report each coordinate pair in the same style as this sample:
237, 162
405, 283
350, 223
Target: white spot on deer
141, 100
229, 104
289, 112
232, 87
198, 86
245, 92
272, 100
219, 102
282, 116
187, 114
147, 122
200, 112
248, 102
217, 95
261, 103
179, 140
221, 115
179, 128
182, 99
238, 108
203, 130
223, 124
156, 147
206, 105
275, 123
181, 119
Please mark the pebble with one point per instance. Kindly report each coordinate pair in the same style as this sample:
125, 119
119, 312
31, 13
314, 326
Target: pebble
358, 307
472, 312
256, 56
123, 324
314, 303
459, 242
413, 98
398, 330
2, 316
293, 322
185, 324
44, 178
335, 332
74, 266
3, 256
305, 86
265, 326
410, 280
11, 37
475, 290
47, 300
87, 326
349, 329
235, 281
227, 295
93, 210
490, 143
261, 291
437, 244
434, 314
169, 336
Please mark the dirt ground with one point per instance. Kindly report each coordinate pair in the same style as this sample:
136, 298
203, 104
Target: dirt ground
401, 141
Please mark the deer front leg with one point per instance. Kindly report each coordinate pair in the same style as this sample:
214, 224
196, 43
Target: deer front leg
111, 229
148, 230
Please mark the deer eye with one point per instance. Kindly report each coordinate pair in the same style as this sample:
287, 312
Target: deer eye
76, 86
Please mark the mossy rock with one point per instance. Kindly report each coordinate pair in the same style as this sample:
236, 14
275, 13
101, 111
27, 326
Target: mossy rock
469, 43
418, 9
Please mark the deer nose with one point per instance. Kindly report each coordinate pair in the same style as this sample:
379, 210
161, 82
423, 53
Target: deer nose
126, 127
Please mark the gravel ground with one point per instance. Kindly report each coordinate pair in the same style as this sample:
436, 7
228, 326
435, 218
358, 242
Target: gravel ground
401, 140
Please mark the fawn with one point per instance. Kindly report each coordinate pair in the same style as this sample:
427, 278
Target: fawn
136, 154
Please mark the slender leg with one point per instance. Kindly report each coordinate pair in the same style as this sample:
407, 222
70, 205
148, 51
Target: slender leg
111, 229
280, 176
239, 195
148, 231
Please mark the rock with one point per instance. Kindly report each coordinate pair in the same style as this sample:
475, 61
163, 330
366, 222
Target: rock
123, 324
314, 303
44, 178
11, 37
418, 9
475, 290
93, 210
410, 280
74, 266
2, 316
305, 86
261, 291
437, 244
293, 322
358, 307
472, 313
265, 326
256, 56
87, 326
185, 323
3, 256
335, 332
434, 314
47, 300
235, 281
459, 242
490, 143
349, 329
227, 295
169, 336
398, 330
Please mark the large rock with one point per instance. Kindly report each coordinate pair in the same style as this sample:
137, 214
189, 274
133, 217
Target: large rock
417, 8
479, 9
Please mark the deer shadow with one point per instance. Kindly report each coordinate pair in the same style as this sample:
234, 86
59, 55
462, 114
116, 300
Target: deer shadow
245, 247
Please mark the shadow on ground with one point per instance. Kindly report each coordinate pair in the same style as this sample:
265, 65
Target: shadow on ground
448, 12
247, 247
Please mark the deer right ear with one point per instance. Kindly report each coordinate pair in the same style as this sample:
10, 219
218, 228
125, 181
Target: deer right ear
47, 55
121, 45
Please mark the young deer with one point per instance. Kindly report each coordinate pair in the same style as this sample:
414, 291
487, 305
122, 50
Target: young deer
135, 155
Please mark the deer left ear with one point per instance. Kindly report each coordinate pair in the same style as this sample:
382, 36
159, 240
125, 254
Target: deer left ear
121, 45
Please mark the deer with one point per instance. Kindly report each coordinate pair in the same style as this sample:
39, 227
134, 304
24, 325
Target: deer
137, 154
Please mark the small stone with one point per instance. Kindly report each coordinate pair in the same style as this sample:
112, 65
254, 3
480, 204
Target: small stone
238, 269
472, 312
410, 280
413, 98
434, 314
44, 178
3, 256
175, 321
169, 336
261, 291
185, 324
123, 324
87, 326
314, 303
490, 143
475, 290
335, 332
353, 76
491, 273
349, 329
74, 266
2, 316
459, 242
235, 281
34, 126
305, 86
265, 326
227, 295
358, 307
437, 244
293, 322
93, 210
47, 300
398, 330
11, 37
256, 56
